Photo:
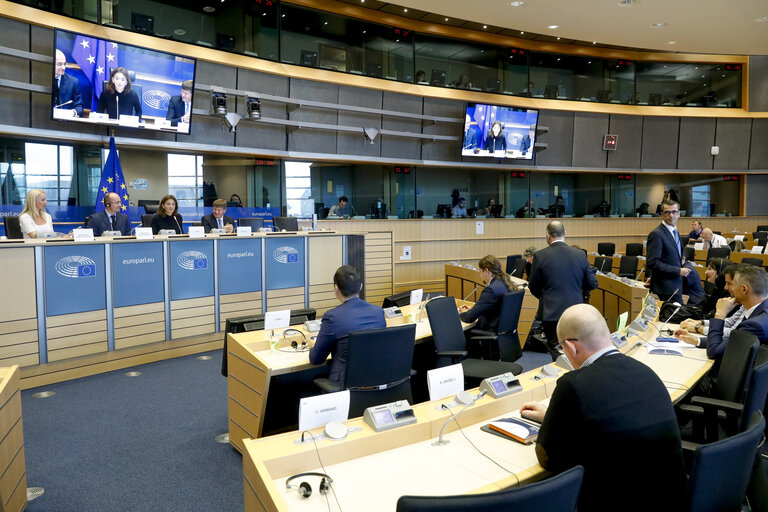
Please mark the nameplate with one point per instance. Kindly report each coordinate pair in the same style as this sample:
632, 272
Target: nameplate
738, 237
445, 381
243, 230
277, 319
98, 116
196, 232
63, 113
757, 249
699, 246
416, 295
144, 234
126, 120
83, 235
317, 411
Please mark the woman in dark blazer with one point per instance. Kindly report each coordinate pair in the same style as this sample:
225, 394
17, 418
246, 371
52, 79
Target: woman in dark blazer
496, 140
488, 307
117, 95
166, 217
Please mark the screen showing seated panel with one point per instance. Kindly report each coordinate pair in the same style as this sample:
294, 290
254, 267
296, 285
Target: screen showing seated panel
499, 132
101, 81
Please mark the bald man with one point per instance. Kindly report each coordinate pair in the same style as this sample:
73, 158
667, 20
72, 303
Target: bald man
66, 89
711, 240
613, 416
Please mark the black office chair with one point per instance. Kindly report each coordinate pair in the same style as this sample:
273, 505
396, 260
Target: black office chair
730, 385
399, 299
628, 267
146, 220
254, 222
718, 252
634, 250
689, 253
752, 261
720, 471
505, 337
323, 212
150, 205
511, 259
285, 223
378, 369
519, 268
606, 248
443, 211
451, 346
684, 239
12, 227
761, 237
762, 227
717, 232
604, 264
555, 494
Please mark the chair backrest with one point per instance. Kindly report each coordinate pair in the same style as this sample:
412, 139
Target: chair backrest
254, 222
399, 299
634, 250
511, 260
508, 339
756, 393
628, 267
689, 253
760, 237
379, 356
556, 494
720, 471
604, 264
752, 261
146, 220
285, 223
446, 327
12, 227
762, 227
736, 366
718, 252
684, 239
606, 248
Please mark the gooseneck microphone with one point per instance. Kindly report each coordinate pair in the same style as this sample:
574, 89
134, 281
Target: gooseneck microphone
661, 331
470, 293
462, 397
65, 103
177, 222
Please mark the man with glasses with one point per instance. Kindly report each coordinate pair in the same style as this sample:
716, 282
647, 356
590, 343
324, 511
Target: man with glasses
111, 217
664, 253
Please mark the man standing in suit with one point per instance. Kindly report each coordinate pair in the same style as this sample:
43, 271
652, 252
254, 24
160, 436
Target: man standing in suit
664, 253
560, 276
217, 219
594, 422
180, 107
66, 89
354, 314
110, 218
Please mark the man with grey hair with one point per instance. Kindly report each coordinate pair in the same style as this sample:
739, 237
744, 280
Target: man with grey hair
711, 240
613, 416
560, 276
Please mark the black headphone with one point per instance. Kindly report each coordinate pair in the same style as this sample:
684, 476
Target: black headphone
295, 345
305, 490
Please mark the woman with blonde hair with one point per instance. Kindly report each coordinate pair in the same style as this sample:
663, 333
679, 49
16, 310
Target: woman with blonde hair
488, 307
34, 220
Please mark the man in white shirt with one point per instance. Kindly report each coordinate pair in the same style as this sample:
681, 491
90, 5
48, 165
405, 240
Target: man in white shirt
711, 240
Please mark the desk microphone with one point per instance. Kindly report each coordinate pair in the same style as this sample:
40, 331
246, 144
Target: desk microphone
470, 293
117, 110
661, 331
65, 103
182, 231
637, 277
423, 306
513, 272
462, 397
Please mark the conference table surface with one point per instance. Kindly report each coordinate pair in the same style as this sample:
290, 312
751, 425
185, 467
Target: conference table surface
405, 460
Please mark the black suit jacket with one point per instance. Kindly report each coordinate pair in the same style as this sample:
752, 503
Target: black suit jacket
560, 276
209, 222
176, 110
488, 307
99, 222
664, 261
756, 324
69, 90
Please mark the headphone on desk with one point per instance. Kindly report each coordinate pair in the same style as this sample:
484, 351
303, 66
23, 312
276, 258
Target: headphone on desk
305, 490
296, 346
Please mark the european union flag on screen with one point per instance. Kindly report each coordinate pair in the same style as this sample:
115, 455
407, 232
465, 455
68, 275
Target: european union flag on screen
86, 270
112, 179
95, 58
201, 263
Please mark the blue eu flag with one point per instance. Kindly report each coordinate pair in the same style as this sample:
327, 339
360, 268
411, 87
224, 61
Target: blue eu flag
201, 263
112, 179
86, 270
293, 258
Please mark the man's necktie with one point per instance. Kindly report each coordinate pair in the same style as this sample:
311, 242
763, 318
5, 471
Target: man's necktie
114, 222
220, 224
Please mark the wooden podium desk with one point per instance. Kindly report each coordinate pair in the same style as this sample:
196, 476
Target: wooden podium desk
614, 297
254, 368
460, 282
372, 470
13, 473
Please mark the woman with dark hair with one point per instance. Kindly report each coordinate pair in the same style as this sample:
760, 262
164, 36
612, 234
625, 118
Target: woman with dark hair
488, 307
166, 217
496, 140
117, 96
234, 198
714, 284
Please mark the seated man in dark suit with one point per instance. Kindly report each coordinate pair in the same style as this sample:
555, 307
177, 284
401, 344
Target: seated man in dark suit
110, 218
594, 421
180, 107
66, 89
217, 219
354, 314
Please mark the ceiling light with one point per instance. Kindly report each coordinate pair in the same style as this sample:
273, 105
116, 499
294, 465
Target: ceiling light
594, 42
558, 38
521, 32
485, 26
761, 19
516, 3
624, 3
553, 27
446, 19
658, 25
405, 10
179, 31
671, 42
208, 8
325, 23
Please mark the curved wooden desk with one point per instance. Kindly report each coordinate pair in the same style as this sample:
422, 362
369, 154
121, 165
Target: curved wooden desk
13, 475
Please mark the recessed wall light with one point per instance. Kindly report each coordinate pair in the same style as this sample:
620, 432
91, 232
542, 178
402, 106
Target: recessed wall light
658, 25
446, 19
405, 10
761, 19
553, 27
516, 3
521, 32
208, 8
181, 32
558, 38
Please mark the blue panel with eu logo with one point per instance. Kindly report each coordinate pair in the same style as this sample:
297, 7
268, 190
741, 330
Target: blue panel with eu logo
239, 265
191, 269
137, 271
285, 263
74, 279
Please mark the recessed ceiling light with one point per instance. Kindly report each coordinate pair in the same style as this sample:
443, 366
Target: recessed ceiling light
671, 42
658, 25
446, 19
624, 3
283, 16
181, 32
405, 10
594, 42
521, 32
208, 8
761, 19
325, 23
553, 27
485, 26
558, 38
516, 3
723, 76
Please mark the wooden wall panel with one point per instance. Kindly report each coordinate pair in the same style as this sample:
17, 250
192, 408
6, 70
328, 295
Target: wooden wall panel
139, 325
238, 304
325, 257
287, 298
13, 476
192, 317
76, 335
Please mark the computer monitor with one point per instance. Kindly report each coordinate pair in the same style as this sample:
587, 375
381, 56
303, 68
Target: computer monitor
551, 91
496, 210
443, 210
254, 222
285, 223
438, 77
556, 210
379, 210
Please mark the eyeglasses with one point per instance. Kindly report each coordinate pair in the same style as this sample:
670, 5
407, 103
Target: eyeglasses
560, 342
670, 212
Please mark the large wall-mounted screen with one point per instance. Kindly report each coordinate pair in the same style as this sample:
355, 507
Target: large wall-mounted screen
112, 83
499, 132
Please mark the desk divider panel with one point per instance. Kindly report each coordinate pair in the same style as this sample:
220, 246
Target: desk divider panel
289, 298
18, 324
378, 266
325, 256
75, 335
192, 317
192, 288
240, 278
239, 304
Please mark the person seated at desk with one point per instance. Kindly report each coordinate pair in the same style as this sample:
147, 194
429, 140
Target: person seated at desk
166, 217
557, 209
711, 240
180, 107
66, 89
110, 218
692, 287
496, 140
526, 211
488, 307
117, 98
526, 143
492, 210
460, 210
217, 219
696, 229
642, 209
594, 421
34, 220
354, 314
472, 134
340, 209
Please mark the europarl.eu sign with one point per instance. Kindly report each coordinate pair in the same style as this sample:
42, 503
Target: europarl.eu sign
74, 279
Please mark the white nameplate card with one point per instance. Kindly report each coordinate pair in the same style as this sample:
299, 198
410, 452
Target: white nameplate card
416, 295
196, 231
445, 381
83, 235
738, 237
144, 233
243, 230
277, 319
318, 411
63, 113
757, 249
699, 246
126, 120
